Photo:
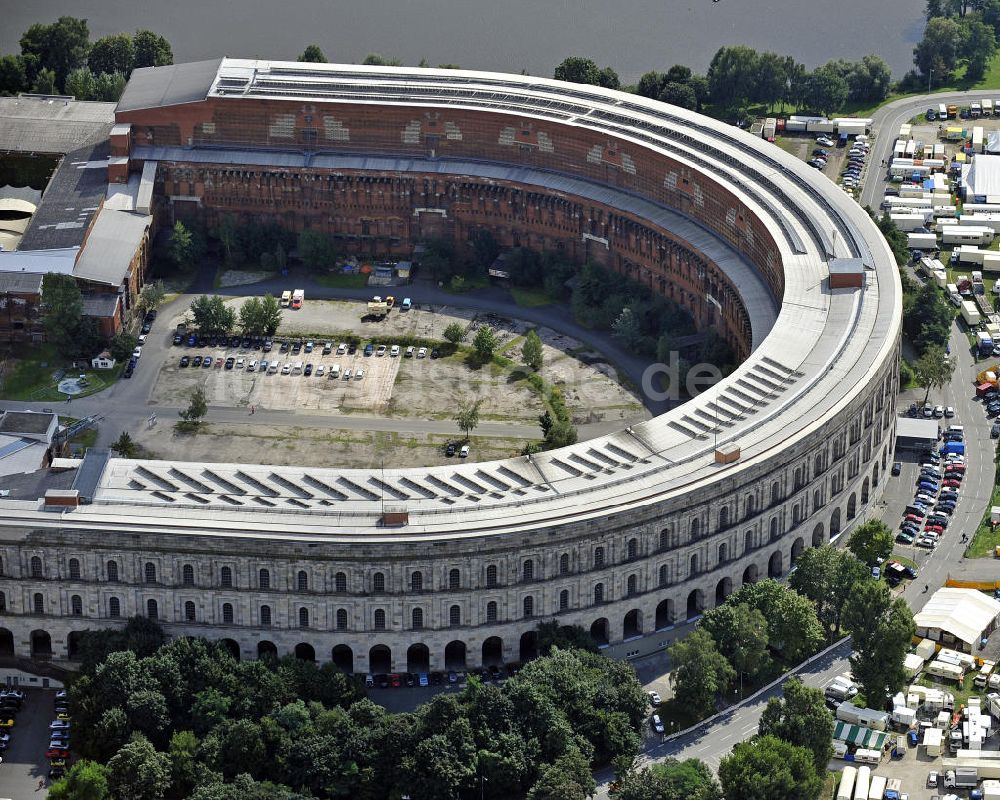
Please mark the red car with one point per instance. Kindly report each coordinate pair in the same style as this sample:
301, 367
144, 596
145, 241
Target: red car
951, 483
63, 754
913, 518
934, 529
956, 466
395, 681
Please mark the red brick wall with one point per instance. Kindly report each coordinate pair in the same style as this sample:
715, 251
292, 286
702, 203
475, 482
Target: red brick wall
384, 211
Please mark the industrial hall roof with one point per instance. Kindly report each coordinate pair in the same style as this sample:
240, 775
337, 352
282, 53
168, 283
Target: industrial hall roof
964, 613
42, 124
152, 87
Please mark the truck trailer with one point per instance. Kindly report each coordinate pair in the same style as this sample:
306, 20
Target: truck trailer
847, 778
971, 315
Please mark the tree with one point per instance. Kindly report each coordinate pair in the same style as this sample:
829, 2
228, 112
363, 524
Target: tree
81, 84
121, 345
651, 84
46, 82
627, 328
260, 315
700, 671
577, 69
771, 79
934, 369
671, 780
379, 60
181, 245
825, 90
151, 50
485, 342
62, 311
313, 55
110, 54
60, 46
84, 780
978, 47
108, 86
454, 333
678, 94
766, 768
741, 635
316, 250
871, 542
791, 618
13, 76
732, 76
827, 576
927, 318
468, 417
608, 78
531, 350
212, 315
197, 408
895, 237
869, 79
227, 232
138, 772
124, 446
184, 767
151, 295
801, 718
881, 629
936, 55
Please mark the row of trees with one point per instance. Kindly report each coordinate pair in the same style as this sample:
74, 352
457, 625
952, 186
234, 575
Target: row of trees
259, 316
185, 720
59, 58
740, 76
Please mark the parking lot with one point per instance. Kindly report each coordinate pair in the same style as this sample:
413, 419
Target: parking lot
24, 763
843, 163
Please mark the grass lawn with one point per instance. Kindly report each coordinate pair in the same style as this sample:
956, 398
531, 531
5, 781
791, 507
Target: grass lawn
985, 539
530, 298
468, 283
341, 280
30, 380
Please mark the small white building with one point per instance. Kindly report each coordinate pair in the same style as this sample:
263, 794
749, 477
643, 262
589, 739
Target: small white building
103, 361
958, 618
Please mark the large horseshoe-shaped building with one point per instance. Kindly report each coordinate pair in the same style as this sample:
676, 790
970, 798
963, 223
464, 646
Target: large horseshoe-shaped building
629, 535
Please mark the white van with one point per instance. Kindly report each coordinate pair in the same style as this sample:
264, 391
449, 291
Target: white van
347, 374
335, 372
273, 367
252, 365
297, 368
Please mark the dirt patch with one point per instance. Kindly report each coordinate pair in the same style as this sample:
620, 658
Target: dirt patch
305, 446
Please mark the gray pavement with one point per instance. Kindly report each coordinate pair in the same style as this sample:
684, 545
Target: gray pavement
24, 762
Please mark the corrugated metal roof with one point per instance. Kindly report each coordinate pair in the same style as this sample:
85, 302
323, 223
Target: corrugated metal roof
151, 87
111, 246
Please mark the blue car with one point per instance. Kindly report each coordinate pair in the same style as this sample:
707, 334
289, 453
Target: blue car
927, 486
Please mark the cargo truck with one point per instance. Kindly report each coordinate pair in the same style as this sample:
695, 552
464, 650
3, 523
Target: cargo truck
862, 783
286, 298
983, 676
987, 106
984, 344
847, 778
961, 778
298, 298
975, 110
921, 241
865, 717
970, 313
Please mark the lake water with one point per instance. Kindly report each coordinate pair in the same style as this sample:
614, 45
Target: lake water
632, 36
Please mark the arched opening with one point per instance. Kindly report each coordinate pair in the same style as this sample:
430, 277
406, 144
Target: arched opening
723, 589
380, 659
664, 614
528, 646
418, 658
632, 624
774, 565
305, 652
875, 476
73, 644
6, 642
266, 649
695, 604
493, 652
797, 547
454, 655
232, 647
864, 491
41, 644
750, 575
599, 631
835, 522
342, 657
852, 506
818, 535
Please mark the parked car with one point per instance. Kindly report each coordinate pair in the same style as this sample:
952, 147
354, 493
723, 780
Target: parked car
897, 467
654, 698
657, 724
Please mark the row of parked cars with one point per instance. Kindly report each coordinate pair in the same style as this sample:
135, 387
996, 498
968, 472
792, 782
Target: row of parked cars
926, 519
11, 701
58, 753
394, 680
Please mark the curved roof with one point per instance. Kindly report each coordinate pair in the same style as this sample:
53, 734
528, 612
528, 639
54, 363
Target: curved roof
824, 348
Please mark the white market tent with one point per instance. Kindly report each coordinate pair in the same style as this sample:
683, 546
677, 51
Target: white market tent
963, 613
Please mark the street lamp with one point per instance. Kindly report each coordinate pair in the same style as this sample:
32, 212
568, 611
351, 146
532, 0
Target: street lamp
930, 74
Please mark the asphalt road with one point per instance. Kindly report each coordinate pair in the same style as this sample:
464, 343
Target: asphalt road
712, 740
24, 762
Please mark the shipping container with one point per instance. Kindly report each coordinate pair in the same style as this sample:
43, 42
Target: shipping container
921, 241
